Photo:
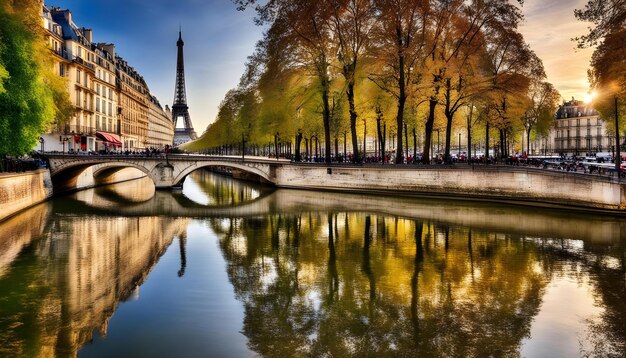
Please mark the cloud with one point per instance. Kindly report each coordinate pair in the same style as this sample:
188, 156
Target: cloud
549, 29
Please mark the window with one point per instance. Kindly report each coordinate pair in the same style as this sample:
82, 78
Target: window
77, 76
110, 109
110, 94
97, 104
98, 88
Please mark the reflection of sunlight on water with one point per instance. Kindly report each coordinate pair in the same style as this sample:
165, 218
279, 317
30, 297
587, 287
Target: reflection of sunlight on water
567, 308
192, 190
268, 272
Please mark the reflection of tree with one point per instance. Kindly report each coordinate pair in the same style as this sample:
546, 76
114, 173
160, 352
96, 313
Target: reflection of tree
605, 267
182, 241
406, 288
222, 190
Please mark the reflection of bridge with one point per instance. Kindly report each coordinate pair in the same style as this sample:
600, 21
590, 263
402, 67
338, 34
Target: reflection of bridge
493, 218
492, 182
165, 173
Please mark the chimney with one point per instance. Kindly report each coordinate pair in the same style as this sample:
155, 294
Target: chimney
110, 48
88, 34
68, 16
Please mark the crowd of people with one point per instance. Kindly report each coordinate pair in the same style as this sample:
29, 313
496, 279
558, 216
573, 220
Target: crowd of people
21, 164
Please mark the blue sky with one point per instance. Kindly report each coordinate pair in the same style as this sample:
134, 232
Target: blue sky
218, 39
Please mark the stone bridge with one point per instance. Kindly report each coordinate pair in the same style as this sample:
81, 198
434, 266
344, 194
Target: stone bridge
164, 172
519, 184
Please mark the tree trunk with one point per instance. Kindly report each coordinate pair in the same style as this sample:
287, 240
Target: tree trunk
401, 96
469, 136
528, 140
384, 141
429, 131
325, 87
298, 143
449, 115
399, 123
414, 145
406, 141
380, 138
345, 139
353, 118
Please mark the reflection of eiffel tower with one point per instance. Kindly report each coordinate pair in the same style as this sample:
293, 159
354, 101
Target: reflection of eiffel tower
180, 109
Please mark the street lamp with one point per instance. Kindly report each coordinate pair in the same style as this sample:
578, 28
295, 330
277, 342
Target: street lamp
42, 141
63, 140
618, 156
459, 144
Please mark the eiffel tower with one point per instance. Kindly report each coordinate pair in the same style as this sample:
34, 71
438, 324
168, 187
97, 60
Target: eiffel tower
180, 108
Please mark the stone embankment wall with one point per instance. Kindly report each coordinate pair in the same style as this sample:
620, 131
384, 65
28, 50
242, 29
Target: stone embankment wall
511, 184
19, 191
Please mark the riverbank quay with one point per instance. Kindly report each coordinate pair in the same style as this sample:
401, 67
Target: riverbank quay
19, 191
523, 185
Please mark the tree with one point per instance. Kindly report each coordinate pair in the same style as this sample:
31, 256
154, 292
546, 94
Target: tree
32, 97
510, 64
351, 22
608, 64
307, 25
543, 100
400, 37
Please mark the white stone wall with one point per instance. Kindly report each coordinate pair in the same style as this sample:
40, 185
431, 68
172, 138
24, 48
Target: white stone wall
522, 185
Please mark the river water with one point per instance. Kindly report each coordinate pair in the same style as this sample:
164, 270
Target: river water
232, 269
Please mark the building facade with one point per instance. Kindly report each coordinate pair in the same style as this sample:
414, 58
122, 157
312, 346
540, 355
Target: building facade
580, 131
111, 100
160, 125
133, 106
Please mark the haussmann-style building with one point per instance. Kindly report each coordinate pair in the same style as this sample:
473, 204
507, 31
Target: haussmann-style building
113, 105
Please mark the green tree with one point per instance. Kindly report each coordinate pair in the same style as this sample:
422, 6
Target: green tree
32, 97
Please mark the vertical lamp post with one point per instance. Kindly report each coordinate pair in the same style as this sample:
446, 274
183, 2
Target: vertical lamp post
42, 141
618, 156
459, 144
243, 146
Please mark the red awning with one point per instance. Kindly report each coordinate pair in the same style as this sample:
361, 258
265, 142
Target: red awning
109, 137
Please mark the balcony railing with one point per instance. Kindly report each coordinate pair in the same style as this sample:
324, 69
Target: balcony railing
79, 130
84, 63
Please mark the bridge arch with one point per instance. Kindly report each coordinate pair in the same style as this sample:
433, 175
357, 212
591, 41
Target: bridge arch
66, 177
264, 175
